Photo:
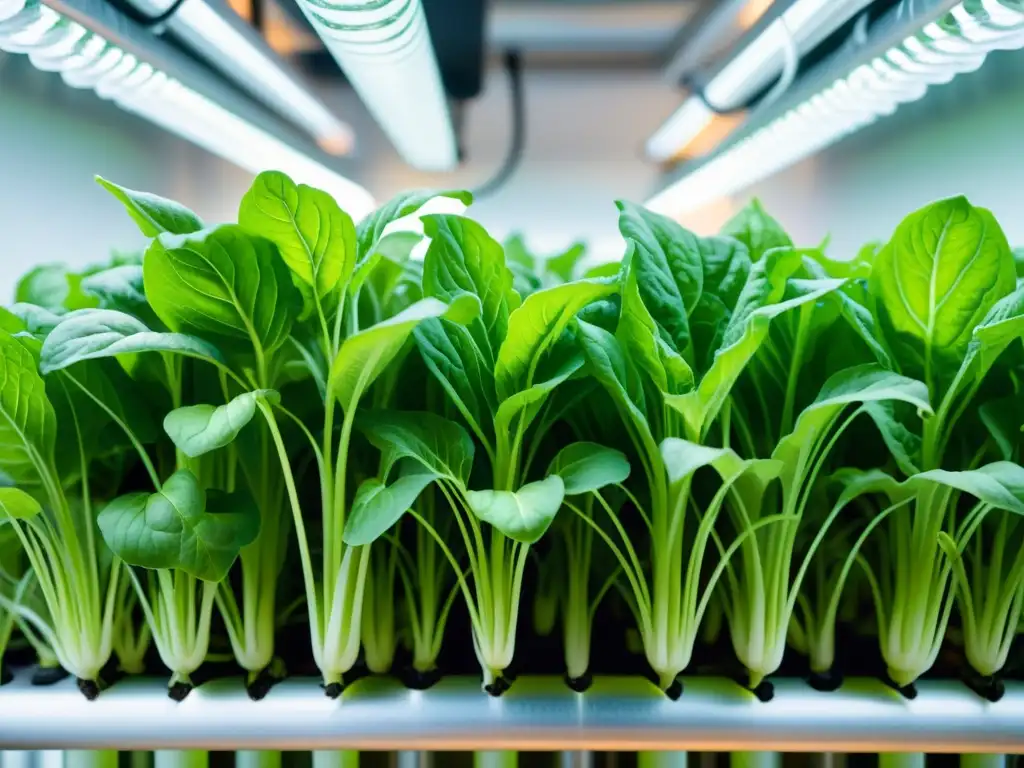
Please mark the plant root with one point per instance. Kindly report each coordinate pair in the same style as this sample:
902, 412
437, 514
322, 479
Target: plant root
178, 691
764, 691
259, 685
419, 681
89, 688
826, 682
499, 686
909, 692
990, 688
581, 683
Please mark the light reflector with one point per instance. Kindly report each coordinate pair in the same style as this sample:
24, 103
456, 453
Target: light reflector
384, 49
957, 42
85, 59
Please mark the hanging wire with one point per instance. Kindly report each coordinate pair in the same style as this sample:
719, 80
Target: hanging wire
513, 66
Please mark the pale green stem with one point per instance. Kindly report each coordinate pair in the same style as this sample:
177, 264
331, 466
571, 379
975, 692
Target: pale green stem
335, 758
976, 760
755, 760
901, 760
661, 760
181, 758
141, 759
495, 759
90, 758
257, 758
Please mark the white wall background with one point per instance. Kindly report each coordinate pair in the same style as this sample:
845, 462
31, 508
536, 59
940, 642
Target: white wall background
53, 140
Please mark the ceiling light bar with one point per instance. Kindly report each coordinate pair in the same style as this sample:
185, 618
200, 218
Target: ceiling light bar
227, 42
956, 39
804, 24
93, 46
384, 49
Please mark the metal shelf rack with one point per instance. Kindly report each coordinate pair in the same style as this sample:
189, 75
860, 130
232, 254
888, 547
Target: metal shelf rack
536, 714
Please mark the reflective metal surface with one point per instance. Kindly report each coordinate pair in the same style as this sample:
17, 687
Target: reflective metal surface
536, 714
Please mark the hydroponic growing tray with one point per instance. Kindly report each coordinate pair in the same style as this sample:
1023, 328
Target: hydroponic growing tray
537, 713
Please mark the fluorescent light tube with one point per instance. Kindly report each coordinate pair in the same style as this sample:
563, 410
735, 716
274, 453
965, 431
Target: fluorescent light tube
384, 49
85, 59
226, 42
804, 24
956, 43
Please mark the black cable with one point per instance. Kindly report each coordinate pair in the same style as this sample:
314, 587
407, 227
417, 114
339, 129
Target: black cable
144, 19
513, 65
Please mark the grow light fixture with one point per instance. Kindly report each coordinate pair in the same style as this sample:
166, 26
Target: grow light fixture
956, 42
384, 49
86, 58
802, 26
216, 33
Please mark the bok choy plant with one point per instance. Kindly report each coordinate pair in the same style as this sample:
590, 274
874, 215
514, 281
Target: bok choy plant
693, 312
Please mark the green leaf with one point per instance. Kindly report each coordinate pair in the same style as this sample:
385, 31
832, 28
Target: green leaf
96, 333
440, 445
587, 467
516, 252
462, 258
224, 285
18, 505
859, 384
563, 265
666, 264
453, 358
1004, 420
523, 515
647, 346
1000, 484
860, 482
316, 239
181, 527
760, 301
377, 507
372, 227
199, 429
365, 355
119, 288
52, 286
154, 214
37, 321
613, 370
935, 280
753, 227
535, 327
527, 402
28, 426
1001, 326
904, 443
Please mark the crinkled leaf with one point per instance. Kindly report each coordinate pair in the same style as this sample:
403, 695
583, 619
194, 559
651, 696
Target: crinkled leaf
181, 526
37, 321
224, 285
524, 515
586, 467
96, 333
199, 429
440, 445
935, 280
54, 287
753, 227
377, 507
152, 213
760, 301
316, 239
